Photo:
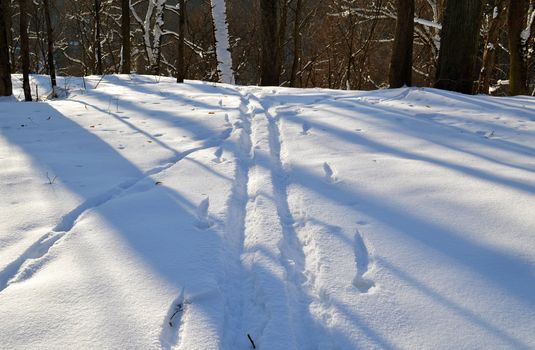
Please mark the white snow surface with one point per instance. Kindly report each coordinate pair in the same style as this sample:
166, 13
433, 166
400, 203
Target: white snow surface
137, 213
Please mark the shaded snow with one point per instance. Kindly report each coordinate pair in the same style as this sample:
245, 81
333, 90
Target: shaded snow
189, 216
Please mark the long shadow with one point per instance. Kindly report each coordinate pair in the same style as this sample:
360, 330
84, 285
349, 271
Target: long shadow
162, 232
471, 254
458, 309
372, 145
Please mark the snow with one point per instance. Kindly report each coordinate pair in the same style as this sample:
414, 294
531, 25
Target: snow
140, 213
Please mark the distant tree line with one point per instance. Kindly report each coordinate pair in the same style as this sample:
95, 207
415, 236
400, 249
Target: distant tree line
469, 46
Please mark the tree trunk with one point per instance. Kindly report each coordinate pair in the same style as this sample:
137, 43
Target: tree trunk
222, 42
269, 31
517, 65
401, 60
125, 33
297, 44
25, 49
459, 37
50, 54
491, 44
6, 88
180, 68
98, 45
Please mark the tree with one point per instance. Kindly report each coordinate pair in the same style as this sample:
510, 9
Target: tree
221, 35
459, 37
401, 61
296, 43
180, 69
50, 46
5, 66
125, 34
25, 49
98, 43
518, 45
269, 66
496, 20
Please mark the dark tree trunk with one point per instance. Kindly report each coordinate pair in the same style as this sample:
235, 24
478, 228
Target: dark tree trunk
459, 37
125, 33
297, 44
401, 60
50, 54
98, 44
180, 68
25, 49
6, 88
269, 29
491, 44
517, 65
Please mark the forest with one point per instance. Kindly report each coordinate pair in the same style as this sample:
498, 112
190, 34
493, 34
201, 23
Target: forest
470, 46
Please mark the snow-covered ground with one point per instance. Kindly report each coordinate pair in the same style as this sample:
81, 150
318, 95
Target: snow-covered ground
141, 214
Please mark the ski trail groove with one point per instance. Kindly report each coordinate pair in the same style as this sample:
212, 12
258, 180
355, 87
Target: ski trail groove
29, 262
233, 282
293, 253
362, 261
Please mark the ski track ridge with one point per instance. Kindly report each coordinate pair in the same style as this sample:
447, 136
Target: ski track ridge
18, 270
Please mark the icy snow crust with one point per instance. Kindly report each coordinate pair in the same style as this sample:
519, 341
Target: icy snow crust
138, 213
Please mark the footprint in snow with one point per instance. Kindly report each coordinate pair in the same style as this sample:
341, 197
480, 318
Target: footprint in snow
329, 172
203, 221
306, 128
218, 153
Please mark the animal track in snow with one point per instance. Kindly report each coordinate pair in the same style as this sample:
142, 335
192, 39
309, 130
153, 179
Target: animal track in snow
362, 261
329, 172
218, 153
306, 128
170, 335
203, 221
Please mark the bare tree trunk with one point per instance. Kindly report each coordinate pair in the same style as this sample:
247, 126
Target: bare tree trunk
125, 33
517, 65
491, 44
180, 68
25, 50
297, 44
269, 30
401, 61
98, 45
6, 88
457, 59
50, 54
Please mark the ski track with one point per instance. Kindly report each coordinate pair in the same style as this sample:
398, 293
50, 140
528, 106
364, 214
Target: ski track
272, 276
233, 281
34, 257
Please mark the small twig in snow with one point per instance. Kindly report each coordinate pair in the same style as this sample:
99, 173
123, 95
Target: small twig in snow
51, 180
251, 340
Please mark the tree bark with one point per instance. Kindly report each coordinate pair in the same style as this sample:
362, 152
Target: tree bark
517, 65
491, 44
6, 88
459, 37
401, 61
297, 44
98, 45
269, 31
25, 49
50, 53
180, 68
125, 33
